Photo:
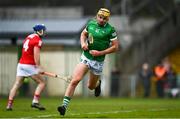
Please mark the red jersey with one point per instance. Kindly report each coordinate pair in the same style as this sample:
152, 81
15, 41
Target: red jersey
31, 41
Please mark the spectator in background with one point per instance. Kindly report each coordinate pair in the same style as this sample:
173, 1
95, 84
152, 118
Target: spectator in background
160, 73
145, 75
166, 63
171, 79
172, 83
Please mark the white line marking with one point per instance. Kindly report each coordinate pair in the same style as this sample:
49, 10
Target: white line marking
91, 113
110, 112
46, 116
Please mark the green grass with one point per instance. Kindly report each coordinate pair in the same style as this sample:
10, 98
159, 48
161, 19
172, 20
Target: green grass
95, 108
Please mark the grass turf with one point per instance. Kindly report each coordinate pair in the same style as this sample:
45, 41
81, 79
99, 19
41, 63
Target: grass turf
95, 108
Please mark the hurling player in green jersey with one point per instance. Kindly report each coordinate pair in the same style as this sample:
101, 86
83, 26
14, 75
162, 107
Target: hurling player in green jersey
97, 39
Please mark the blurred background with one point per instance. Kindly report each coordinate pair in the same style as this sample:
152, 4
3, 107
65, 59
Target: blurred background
148, 32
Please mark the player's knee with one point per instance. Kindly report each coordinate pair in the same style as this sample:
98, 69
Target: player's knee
74, 82
42, 83
17, 84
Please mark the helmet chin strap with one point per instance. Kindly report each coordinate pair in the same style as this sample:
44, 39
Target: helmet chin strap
40, 33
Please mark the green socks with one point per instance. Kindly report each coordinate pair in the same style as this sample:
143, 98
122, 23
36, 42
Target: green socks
66, 101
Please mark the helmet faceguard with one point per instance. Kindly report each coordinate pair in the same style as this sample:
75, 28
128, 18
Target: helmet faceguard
40, 29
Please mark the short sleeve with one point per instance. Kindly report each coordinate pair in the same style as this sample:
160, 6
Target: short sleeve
38, 42
91, 21
113, 35
86, 28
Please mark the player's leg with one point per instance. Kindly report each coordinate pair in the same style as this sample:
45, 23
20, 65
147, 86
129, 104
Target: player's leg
16, 85
40, 87
94, 82
79, 72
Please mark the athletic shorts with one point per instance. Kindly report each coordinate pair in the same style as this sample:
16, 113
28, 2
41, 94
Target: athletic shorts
95, 66
26, 70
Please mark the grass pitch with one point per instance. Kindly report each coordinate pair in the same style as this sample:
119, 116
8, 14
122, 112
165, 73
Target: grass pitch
95, 108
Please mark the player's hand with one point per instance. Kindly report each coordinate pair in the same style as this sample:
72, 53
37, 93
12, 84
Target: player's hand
84, 46
95, 53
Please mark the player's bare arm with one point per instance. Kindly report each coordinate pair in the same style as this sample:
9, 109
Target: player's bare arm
37, 58
37, 55
114, 47
83, 38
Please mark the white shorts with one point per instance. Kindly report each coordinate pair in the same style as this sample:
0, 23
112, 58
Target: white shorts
26, 70
95, 66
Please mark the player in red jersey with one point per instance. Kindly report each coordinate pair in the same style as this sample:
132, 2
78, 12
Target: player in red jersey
29, 66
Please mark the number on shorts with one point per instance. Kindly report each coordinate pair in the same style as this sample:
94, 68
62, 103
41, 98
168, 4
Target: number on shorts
25, 46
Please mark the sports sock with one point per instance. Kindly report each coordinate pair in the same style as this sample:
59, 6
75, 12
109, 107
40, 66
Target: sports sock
10, 103
36, 98
66, 101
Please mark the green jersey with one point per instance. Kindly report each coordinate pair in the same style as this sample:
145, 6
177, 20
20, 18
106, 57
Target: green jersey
99, 38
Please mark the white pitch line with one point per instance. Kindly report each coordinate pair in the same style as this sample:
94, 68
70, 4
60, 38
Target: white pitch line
153, 110
46, 116
91, 113
115, 112
40, 116
110, 112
